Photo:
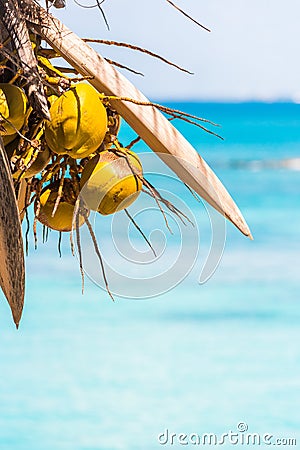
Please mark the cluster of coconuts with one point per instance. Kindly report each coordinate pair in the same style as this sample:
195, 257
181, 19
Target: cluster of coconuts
110, 180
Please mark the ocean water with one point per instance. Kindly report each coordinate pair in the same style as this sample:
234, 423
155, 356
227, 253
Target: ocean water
86, 373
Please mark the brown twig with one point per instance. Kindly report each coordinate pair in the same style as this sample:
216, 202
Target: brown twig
60, 189
133, 142
194, 194
189, 17
152, 194
166, 202
175, 113
121, 66
97, 5
91, 231
59, 243
139, 49
76, 213
140, 231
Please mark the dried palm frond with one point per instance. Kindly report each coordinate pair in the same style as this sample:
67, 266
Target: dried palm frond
11, 17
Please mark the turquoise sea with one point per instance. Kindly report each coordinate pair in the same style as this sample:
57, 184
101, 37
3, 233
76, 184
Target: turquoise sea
86, 373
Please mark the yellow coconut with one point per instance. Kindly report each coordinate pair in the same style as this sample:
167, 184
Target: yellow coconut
8, 138
41, 161
11, 145
111, 182
13, 103
63, 217
52, 98
26, 169
78, 122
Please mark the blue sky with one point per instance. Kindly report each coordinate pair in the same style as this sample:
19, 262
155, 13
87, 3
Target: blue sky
252, 52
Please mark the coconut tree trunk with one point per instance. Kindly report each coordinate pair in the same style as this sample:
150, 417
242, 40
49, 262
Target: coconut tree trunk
5, 74
11, 16
12, 267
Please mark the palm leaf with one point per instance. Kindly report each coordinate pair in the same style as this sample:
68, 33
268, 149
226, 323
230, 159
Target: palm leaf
148, 122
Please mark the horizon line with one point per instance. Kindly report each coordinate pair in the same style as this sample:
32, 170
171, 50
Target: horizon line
227, 101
